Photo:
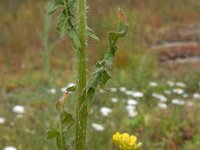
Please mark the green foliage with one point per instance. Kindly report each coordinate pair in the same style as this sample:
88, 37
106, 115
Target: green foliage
100, 76
72, 21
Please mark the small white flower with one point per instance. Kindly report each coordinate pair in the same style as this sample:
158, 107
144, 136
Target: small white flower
162, 98
19, 109
132, 113
162, 105
114, 100
113, 89
10, 148
122, 89
52, 91
170, 83
98, 127
137, 94
105, 111
2, 120
178, 102
180, 84
153, 84
196, 96
185, 95
178, 91
132, 102
130, 107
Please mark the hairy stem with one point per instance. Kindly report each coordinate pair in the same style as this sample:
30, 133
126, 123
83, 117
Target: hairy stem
81, 109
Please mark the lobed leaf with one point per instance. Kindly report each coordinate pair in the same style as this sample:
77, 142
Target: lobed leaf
100, 77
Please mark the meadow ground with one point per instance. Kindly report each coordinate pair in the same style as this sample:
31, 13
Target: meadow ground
155, 88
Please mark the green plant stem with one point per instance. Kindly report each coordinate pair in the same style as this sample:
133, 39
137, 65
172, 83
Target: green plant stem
81, 109
61, 135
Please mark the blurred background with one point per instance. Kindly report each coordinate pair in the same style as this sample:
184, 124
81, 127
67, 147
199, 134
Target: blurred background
155, 85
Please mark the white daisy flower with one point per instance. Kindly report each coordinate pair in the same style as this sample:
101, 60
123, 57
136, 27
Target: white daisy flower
98, 127
178, 91
10, 148
132, 113
130, 107
2, 120
162, 98
114, 100
153, 84
178, 102
132, 102
129, 93
52, 91
19, 109
105, 111
180, 84
137, 94
162, 105
196, 96
122, 89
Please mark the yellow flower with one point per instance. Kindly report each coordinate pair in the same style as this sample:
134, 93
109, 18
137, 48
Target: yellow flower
117, 137
126, 141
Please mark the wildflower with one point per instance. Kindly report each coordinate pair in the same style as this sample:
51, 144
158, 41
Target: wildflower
97, 127
114, 100
132, 113
130, 107
129, 93
122, 89
105, 111
132, 102
10, 148
178, 91
126, 142
160, 97
162, 105
2, 120
19, 109
52, 91
153, 84
178, 102
137, 94
180, 84
196, 96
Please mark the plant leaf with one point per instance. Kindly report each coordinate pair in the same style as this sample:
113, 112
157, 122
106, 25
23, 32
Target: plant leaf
52, 7
100, 76
62, 23
66, 119
52, 133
